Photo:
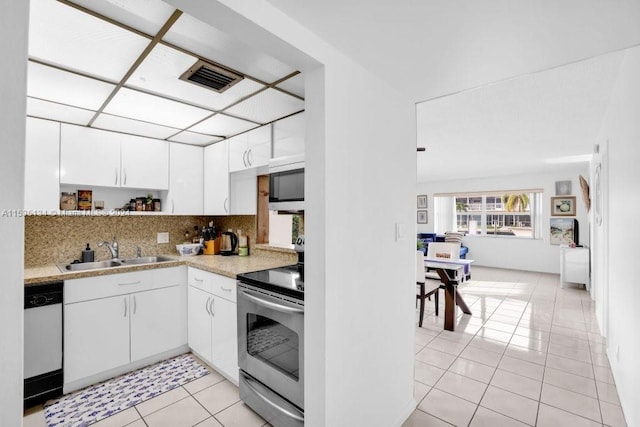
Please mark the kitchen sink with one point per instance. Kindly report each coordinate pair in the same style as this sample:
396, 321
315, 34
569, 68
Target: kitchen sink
91, 265
83, 266
146, 260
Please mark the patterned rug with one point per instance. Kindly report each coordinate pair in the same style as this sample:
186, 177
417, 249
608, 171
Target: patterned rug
97, 402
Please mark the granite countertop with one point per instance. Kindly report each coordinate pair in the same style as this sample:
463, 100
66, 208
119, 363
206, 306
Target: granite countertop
229, 266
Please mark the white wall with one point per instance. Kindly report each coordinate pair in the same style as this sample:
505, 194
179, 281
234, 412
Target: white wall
360, 181
13, 68
521, 254
621, 128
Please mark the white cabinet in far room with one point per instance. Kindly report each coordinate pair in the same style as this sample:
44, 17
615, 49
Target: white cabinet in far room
216, 179
89, 157
144, 162
250, 150
243, 192
212, 320
574, 266
42, 154
186, 182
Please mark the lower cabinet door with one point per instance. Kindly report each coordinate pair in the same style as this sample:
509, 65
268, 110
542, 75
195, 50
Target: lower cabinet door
158, 321
224, 352
96, 336
199, 322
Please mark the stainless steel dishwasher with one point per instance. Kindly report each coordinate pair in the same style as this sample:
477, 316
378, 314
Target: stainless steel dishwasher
42, 342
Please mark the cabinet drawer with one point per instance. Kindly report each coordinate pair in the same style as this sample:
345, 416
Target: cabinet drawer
76, 290
212, 283
163, 277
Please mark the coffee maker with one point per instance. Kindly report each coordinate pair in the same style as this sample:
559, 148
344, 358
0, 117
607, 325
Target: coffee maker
229, 243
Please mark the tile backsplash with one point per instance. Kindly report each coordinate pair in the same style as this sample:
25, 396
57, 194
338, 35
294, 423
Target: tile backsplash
61, 239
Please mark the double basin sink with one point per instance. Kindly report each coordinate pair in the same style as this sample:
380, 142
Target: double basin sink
82, 266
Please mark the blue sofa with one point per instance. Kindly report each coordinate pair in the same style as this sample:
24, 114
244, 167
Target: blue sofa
427, 238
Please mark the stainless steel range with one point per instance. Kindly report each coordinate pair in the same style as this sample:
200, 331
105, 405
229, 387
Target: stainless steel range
271, 344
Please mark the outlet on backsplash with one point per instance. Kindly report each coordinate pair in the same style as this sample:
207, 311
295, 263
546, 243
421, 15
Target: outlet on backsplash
163, 237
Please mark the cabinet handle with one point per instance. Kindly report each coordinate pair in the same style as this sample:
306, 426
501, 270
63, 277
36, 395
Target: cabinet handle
225, 289
173, 206
250, 156
125, 176
244, 158
125, 306
206, 306
224, 205
135, 305
137, 282
213, 314
197, 280
116, 181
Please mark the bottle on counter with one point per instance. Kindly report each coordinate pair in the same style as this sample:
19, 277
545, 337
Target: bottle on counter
87, 254
196, 235
243, 244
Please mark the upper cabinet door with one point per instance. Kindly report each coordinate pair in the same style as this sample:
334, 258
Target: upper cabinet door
216, 179
186, 184
288, 136
89, 156
42, 154
250, 150
145, 163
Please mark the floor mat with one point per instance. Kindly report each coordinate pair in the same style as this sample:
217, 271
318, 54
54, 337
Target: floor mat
97, 402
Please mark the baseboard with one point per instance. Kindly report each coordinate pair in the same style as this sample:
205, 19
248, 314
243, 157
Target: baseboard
411, 407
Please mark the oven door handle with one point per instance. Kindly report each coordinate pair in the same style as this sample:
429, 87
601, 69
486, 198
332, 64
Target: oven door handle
269, 304
271, 403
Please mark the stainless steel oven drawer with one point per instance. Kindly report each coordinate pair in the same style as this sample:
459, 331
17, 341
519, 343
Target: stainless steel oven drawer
271, 406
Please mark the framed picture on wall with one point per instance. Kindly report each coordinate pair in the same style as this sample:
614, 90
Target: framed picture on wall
423, 217
422, 202
563, 188
562, 231
563, 206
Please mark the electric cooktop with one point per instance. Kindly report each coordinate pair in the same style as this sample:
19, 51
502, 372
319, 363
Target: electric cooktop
283, 280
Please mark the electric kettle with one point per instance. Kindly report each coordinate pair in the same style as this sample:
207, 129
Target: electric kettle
229, 243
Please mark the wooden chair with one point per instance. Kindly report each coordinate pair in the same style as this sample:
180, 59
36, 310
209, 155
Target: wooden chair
422, 290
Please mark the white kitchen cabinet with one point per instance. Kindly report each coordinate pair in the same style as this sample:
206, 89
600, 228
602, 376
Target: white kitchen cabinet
216, 179
89, 156
158, 320
144, 162
186, 181
250, 150
288, 136
42, 154
574, 265
213, 332
93, 157
243, 192
113, 321
96, 336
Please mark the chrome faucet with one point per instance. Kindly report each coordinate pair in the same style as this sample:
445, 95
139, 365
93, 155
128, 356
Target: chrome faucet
113, 247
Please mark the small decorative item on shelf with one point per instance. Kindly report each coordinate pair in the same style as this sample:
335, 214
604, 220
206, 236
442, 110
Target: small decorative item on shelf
148, 205
84, 200
140, 203
157, 207
68, 202
132, 205
98, 205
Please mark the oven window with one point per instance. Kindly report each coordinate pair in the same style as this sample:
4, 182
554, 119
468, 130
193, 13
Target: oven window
274, 344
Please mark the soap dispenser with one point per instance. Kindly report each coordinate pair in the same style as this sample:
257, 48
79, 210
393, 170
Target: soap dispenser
87, 254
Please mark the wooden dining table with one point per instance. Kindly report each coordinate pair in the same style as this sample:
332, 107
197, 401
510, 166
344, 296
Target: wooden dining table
449, 271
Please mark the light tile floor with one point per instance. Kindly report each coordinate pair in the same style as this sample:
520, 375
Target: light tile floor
530, 355
211, 401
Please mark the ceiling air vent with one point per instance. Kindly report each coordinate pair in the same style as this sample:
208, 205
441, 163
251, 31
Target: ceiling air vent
211, 76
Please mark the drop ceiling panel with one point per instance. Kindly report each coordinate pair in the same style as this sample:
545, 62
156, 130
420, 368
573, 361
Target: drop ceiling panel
267, 106
58, 112
153, 109
223, 125
135, 127
208, 42
66, 88
194, 138
147, 16
294, 85
160, 73
65, 36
